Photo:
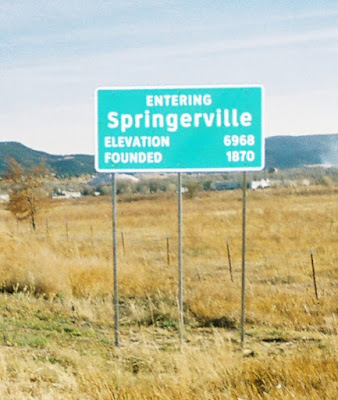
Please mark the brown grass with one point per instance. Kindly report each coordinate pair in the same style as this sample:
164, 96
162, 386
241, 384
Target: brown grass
63, 287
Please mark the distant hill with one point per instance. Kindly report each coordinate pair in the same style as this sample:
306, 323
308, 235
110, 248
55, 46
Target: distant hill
281, 152
72, 165
296, 151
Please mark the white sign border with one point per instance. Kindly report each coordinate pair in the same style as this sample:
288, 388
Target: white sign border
176, 170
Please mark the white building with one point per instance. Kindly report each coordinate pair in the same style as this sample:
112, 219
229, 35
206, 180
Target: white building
65, 194
262, 184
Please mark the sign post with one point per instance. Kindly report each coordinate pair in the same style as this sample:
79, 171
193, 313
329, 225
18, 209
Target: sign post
243, 260
180, 258
179, 129
116, 294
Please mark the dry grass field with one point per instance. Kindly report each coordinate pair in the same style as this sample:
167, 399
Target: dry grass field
56, 311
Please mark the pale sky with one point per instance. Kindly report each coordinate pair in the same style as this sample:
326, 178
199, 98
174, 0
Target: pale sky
54, 53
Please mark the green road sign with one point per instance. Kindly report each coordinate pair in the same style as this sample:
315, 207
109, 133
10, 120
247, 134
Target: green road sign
179, 129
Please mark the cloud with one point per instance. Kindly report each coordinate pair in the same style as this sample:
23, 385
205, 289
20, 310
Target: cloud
254, 43
307, 14
22, 13
304, 112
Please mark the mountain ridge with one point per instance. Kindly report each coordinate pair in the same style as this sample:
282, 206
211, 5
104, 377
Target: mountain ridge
296, 151
282, 152
69, 164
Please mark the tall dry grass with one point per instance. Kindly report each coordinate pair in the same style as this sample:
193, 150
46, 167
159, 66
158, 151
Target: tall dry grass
68, 262
281, 228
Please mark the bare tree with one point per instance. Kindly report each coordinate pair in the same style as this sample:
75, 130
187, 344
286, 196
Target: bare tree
27, 193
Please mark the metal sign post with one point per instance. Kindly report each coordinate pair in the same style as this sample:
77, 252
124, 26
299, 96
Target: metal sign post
116, 294
179, 129
180, 263
243, 261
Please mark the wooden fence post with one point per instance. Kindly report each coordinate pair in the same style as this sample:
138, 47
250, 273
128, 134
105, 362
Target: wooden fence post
314, 273
229, 261
123, 244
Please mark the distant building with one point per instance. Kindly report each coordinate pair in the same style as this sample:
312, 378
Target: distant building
233, 185
65, 194
262, 184
106, 179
